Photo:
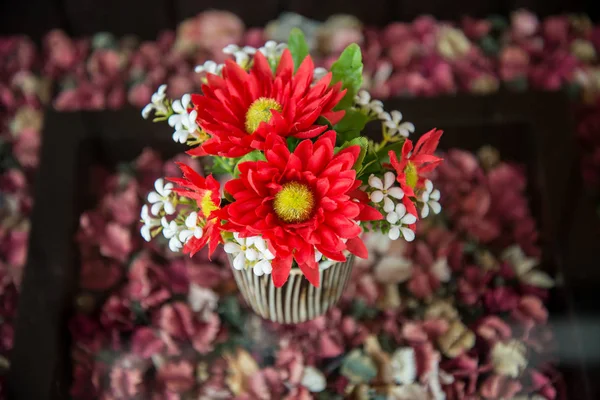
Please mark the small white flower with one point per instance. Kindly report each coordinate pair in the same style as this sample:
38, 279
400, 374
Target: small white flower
430, 199
160, 199
273, 50
392, 123
384, 190
157, 103
363, 98
182, 120
250, 251
525, 268
313, 379
323, 261
509, 358
149, 222
171, 231
364, 102
191, 223
241, 54
404, 366
399, 218
210, 67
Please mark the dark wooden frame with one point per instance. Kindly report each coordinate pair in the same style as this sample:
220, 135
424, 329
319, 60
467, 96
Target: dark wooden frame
73, 142
148, 17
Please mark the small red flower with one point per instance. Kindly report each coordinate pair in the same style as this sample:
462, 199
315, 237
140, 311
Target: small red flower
207, 194
416, 162
240, 109
298, 201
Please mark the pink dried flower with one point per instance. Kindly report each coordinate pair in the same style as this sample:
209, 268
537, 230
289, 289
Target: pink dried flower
116, 314
26, 148
139, 95
396, 32
499, 387
176, 376
556, 29
123, 204
501, 299
473, 284
254, 37
543, 385
210, 30
145, 342
116, 242
125, 382
530, 310
206, 333
523, 24
514, 63
493, 329
476, 28
175, 319
402, 53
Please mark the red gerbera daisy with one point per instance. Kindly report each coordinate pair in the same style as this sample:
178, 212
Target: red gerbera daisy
298, 201
414, 163
207, 194
240, 109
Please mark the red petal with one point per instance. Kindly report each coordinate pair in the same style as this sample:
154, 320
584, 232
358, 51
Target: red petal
311, 272
281, 270
357, 247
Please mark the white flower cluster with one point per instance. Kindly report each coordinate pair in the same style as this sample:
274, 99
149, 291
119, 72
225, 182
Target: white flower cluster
157, 103
430, 200
370, 107
183, 119
178, 233
210, 67
162, 202
250, 252
392, 121
396, 214
271, 50
161, 198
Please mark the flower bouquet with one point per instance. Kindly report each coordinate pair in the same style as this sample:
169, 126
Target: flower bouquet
301, 184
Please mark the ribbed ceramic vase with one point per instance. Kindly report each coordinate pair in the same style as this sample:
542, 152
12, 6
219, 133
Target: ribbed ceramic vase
297, 300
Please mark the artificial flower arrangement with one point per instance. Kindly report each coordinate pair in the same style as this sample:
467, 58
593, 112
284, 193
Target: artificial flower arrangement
302, 183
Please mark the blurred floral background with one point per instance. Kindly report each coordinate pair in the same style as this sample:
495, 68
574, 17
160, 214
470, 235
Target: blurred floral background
458, 314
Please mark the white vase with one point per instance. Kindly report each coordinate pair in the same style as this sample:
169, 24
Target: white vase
297, 300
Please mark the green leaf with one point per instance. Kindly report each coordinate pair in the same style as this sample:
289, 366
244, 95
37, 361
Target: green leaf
351, 125
363, 143
292, 143
383, 153
255, 155
348, 70
297, 46
372, 164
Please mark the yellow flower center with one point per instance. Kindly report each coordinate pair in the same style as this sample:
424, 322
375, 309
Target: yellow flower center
207, 205
411, 174
294, 202
260, 111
